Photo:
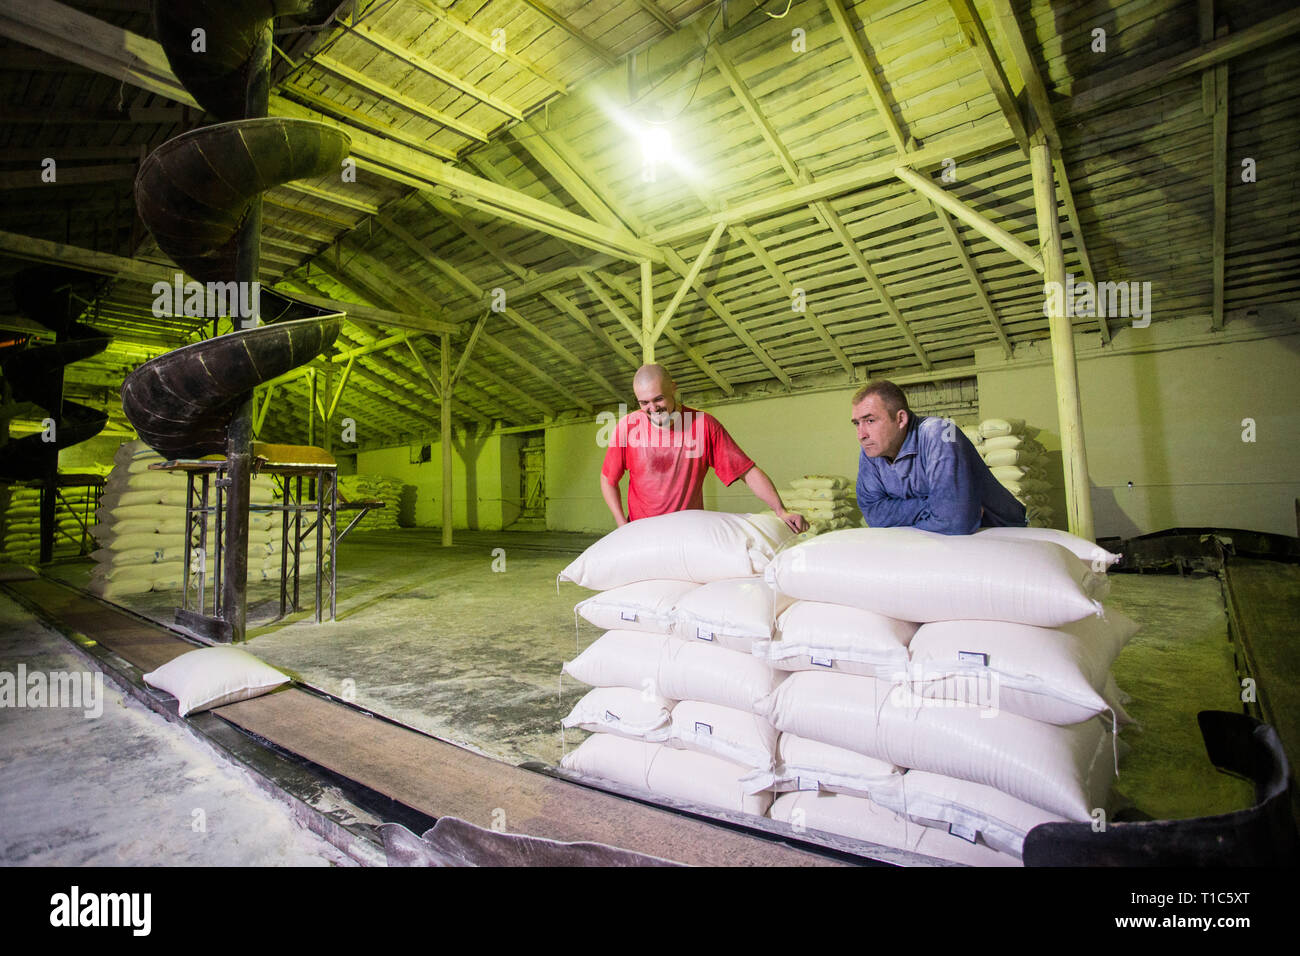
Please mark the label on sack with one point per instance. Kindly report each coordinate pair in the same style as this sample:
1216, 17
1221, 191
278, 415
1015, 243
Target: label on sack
966, 833
822, 661
703, 635
702, 728
806, 783
627, 615
611, 717
973, 657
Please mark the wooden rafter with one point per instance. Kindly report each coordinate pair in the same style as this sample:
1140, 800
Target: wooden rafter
1014, 38
972, 27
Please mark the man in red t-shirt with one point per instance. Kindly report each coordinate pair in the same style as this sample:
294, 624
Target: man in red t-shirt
668, 448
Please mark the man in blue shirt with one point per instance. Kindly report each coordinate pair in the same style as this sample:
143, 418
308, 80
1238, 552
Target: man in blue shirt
921, 472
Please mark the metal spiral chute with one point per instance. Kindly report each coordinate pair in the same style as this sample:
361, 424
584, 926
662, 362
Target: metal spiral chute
199, 194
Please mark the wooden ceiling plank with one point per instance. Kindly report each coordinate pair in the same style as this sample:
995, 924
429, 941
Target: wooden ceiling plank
502, 49
398, 98
424, 65
605, 55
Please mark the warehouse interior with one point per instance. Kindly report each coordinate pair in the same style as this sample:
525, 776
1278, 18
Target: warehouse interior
521, 204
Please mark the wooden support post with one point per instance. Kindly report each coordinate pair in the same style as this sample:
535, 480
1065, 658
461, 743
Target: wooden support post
1078, 492
445, 387
647, 313
1220, 184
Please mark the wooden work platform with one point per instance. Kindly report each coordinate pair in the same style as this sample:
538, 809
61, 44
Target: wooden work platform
414, 769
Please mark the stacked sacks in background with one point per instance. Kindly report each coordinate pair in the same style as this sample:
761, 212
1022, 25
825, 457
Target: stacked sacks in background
826, 502
20, 525
1018, 462
947, 693
141, 531
672, 710
388, 490
20, 522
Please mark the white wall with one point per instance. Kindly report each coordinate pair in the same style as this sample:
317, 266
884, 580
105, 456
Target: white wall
1171, 423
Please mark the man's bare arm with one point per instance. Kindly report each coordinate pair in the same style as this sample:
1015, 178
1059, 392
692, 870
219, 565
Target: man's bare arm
762, 487
614, 499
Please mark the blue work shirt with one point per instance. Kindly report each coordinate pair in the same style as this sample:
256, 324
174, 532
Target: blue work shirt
938, 482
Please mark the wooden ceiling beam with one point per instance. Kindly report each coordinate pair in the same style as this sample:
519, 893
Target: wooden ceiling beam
972, 27
974, 141
1014, 38
1113, 85
820, 207
141, 62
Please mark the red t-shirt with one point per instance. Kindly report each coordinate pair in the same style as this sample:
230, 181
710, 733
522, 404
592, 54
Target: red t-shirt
668, 465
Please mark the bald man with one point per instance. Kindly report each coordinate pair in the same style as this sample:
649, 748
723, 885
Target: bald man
667, 449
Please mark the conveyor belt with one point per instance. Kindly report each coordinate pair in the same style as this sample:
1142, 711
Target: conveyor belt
1263, 600
428, 775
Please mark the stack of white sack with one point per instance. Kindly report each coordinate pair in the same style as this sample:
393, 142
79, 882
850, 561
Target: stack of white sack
20, 522
826, 502
672, 711
374, 487
141, 530
978, 664
1019, 463
20, 525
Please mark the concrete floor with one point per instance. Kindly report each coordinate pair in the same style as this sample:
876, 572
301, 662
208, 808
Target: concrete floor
125, 788
436, 639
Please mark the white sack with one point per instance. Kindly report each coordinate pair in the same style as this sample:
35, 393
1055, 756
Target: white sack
622, 711
993, 427
804, 764
698, 546
679, 774
812, 635
1067, 770
731, 614
1098, 557
967, 810
674, 669
1056, 675
641, 606
736, 735
922, 576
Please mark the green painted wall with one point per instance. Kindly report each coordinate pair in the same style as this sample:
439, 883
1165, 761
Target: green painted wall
481, 500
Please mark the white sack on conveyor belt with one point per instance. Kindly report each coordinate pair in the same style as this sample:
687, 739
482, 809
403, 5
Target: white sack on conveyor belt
675, 669
812, 635
640, 606
679, 774
624, 712
700, 546
968, 809
804, 764
1056, 675
732, 614
922, 576
740, 736
1067, 770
